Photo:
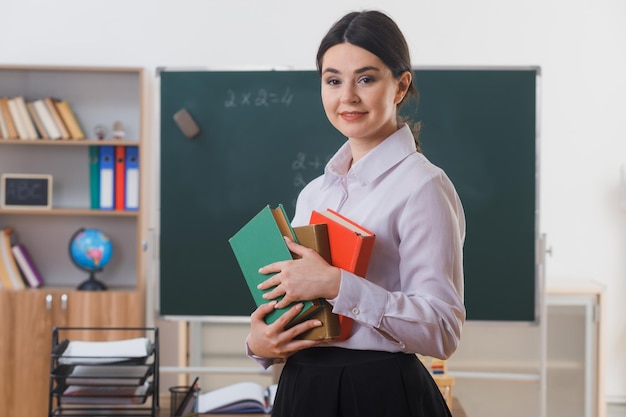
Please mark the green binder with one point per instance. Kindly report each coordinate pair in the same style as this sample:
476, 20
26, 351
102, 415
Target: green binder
94, 177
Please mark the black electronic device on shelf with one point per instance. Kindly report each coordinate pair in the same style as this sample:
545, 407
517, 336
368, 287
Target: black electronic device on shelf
102, 371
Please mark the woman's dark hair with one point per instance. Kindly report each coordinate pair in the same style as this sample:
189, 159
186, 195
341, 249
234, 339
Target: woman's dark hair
377, 33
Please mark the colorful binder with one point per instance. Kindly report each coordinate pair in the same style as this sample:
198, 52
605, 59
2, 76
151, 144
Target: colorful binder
131, 197
120, 175
107, 177
94, 177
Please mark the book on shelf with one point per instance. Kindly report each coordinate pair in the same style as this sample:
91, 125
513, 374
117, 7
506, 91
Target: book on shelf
4, 131
73, 352
242, 397
315, 236
69, 119
56, 117
18, 121
8, 263
351, 247
31, 131
30, 273
41, 130
48, 122
8, 118
261, 242
5, 280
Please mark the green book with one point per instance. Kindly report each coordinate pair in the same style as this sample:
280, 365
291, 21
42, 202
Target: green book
261, 242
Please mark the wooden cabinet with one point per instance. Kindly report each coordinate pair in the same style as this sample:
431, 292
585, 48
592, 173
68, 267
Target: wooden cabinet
99, 97
35, 314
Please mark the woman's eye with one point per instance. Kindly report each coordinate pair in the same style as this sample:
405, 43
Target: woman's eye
332, 81
366, 80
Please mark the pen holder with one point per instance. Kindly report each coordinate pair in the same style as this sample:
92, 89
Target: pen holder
177, 395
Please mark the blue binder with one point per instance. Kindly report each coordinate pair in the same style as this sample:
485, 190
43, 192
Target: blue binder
132, 178
107, 177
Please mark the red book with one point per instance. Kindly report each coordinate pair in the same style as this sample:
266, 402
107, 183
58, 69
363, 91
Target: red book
120, 177
351, 247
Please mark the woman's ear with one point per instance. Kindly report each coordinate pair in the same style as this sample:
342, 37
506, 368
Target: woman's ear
404, 82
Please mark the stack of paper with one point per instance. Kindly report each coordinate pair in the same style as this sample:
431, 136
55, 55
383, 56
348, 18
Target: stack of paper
105, 352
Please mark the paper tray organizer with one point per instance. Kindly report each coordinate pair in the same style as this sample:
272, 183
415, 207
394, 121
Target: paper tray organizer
114, 371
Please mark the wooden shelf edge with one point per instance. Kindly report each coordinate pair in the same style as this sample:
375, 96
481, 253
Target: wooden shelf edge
70, 212
69, 68
69, 142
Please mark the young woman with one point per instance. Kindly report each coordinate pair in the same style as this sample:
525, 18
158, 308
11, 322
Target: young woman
411, 300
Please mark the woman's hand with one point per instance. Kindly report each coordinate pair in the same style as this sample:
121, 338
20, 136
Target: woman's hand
307, 278
272, 340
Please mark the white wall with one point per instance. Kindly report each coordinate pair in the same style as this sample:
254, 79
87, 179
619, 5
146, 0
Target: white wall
580, 45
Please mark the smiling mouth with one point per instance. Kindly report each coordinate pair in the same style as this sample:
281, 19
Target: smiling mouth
351, 115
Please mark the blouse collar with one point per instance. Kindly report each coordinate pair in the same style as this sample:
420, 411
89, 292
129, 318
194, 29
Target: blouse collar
376, 162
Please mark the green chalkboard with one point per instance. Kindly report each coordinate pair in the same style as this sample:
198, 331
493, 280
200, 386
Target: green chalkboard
263, 135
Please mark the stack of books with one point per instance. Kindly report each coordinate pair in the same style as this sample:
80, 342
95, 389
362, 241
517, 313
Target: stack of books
342, 242
17, 268
47, 118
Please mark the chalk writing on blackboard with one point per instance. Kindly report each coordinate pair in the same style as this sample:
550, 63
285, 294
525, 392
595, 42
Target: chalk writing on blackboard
305, 168
258, 98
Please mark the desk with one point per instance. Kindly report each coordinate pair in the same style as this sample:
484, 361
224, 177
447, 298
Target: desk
164, 411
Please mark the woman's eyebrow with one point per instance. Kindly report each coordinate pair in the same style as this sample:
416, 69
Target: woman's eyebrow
357, 71
365, 69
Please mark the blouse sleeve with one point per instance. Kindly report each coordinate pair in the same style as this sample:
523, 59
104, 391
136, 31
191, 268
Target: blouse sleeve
427, 313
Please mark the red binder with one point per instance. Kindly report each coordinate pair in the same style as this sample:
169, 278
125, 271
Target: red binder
120, 177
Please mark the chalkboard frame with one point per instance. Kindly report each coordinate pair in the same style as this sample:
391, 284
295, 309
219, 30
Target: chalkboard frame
6, 201
532, 314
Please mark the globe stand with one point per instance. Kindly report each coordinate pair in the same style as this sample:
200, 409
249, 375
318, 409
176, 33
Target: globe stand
92, 284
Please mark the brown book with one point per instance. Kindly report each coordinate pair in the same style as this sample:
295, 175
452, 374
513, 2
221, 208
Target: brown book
315, 236
6, 113
58, 121
69, 118
38, 123
8, 262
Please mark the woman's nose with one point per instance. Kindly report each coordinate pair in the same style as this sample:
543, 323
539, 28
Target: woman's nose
349, 95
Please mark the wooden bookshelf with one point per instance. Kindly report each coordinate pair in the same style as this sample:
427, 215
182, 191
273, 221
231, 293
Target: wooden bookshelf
98, 96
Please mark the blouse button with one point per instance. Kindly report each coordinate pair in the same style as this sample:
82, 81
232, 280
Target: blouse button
355, 311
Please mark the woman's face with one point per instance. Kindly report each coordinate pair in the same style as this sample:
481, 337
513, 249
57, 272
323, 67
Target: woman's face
360, 94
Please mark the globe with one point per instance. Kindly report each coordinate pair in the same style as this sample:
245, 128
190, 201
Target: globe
91, 251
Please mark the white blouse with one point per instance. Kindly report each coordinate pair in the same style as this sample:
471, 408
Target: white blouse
412, 297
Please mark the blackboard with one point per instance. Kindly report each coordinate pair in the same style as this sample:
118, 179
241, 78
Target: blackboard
26, 191
263, 135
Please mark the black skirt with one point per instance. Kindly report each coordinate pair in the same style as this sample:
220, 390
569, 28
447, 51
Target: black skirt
336, 382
